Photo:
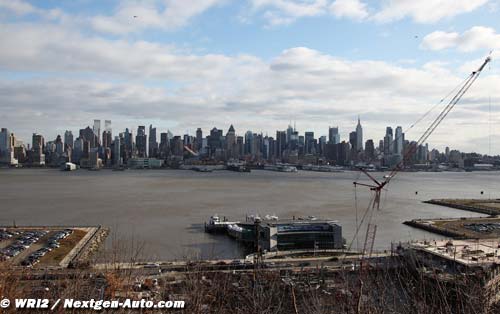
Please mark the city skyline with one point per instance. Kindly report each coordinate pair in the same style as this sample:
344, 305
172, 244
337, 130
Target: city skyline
343, 133
96, 147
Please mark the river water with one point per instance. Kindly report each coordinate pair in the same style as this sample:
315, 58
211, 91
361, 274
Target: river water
160, 213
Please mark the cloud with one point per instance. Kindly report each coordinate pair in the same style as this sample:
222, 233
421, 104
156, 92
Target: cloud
165, 15
17, 7
87, 77
353, 9
66, 76
281, 12
476, 38
425, 11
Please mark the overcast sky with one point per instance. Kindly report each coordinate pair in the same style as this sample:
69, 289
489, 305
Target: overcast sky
259, 64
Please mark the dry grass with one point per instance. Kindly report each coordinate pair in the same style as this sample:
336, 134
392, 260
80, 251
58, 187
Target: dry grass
54, 257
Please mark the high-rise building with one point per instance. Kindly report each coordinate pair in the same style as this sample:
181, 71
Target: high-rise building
388, 141
77, 150
289, 132
37, 148
333, 135
359, 137
177, 147
370, 150
107, 125
68, 140
280, 144
128, 145
7, 142
153, 144
249, 146
309, 143
214, 140
398, 141
322, 145
59, 145
106, 139
117, 160
164, 145
97, 131
199, 139
141, 142
353, 138
231, 151
89, 136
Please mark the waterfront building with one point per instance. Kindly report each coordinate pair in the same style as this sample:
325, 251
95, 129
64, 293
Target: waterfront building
282, 235
7, 142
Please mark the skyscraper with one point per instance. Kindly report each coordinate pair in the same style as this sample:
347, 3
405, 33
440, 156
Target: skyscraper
37, 147
369, 150
141, 141
309, 143
199, 139
59, 145
398, 141
4, 141
106, 139
333, 135
97, 131
89, 136
164, 145
359, 137
388, 145
107, 125
280, 144
231, 143
68, 140
153, 144
249, 143
116, 151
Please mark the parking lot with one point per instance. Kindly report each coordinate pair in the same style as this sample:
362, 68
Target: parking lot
30, 247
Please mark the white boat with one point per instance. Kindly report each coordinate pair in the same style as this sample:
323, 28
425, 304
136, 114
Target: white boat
215, 224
